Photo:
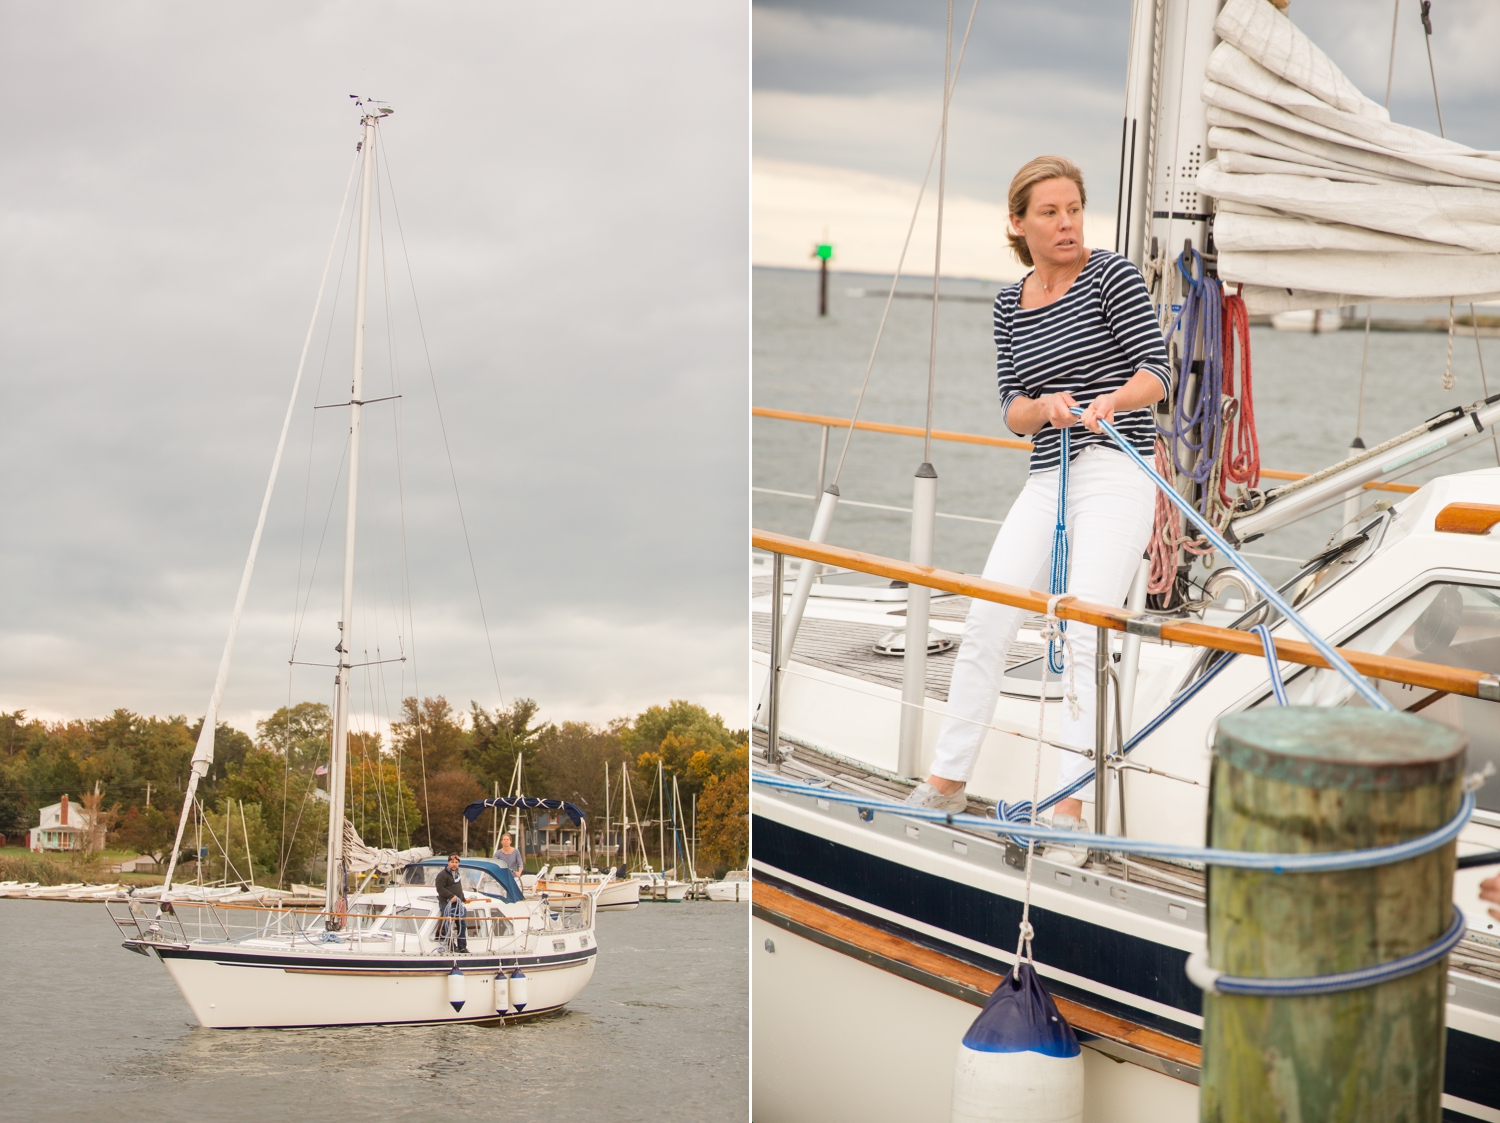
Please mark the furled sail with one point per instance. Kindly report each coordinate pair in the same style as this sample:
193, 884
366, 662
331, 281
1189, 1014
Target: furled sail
360, 857
1322, 200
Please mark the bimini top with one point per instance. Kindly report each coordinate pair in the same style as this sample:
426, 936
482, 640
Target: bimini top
474, 809
480, 875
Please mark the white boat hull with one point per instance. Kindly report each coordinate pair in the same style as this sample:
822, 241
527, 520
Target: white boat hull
228, 989
617, 896
728, 891
830, 1030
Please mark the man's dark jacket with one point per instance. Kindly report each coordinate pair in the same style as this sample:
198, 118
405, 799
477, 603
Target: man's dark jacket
449, 887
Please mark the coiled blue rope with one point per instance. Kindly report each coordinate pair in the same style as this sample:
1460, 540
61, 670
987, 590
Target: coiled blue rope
1199, 328
1058, 581
1209, 979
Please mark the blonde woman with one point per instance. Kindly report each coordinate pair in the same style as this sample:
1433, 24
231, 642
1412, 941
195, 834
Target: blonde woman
1078, 330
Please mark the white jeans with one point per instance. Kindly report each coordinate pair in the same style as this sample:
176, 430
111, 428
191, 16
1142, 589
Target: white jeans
1110, 509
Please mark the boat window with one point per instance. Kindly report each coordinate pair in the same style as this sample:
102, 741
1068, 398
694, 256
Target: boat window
1447, 623
482, 882
406, 920
363, 917
482, 923
420, 875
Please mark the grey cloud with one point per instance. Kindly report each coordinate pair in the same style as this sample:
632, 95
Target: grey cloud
573, 186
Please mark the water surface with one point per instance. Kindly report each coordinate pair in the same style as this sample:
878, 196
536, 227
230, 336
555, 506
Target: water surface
1306, 391
95, 1032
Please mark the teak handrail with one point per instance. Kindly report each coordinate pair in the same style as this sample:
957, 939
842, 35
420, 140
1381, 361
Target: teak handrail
996, 442
1454, 680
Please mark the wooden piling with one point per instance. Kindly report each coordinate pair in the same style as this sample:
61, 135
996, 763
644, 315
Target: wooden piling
1305, 779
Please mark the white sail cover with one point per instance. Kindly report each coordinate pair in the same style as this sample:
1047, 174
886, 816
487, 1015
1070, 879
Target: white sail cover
361, 858
1322, 200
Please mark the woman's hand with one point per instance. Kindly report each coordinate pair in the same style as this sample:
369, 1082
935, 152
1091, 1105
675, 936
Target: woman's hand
1100, 409
1056, 409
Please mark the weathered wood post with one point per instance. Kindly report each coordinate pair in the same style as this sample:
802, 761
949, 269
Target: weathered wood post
1305, 779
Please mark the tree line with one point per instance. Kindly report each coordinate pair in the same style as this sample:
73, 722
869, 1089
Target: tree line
262, 805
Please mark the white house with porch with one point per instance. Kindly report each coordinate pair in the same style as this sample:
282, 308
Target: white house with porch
62, 827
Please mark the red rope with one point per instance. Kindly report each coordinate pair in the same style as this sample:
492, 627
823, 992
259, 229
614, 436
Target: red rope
1241, 453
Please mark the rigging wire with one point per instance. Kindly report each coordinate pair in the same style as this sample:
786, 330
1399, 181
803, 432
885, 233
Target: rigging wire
1473, 317
312, 433
1364, 362
443, 427
411, 623
900, 262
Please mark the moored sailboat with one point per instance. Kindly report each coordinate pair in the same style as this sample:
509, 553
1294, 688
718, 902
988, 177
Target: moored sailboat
381, 955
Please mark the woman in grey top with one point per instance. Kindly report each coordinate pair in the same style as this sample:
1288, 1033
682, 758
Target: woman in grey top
510, 856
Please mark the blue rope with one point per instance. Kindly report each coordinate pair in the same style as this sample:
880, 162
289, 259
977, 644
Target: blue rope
1273, 664
1058, 582
1199, 326
1332, 862
1264, 587
1209, 979
1171, 708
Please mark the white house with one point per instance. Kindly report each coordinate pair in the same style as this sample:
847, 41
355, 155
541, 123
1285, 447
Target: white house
62, 827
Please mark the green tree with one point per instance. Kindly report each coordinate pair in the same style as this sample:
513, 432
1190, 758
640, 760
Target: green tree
379, 802
289, 811
724, 821
496, 739
676, 734
146, 830
430, 736
448, 793
240, 847
302, 733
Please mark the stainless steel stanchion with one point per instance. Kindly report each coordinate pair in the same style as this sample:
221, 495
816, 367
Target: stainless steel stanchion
773, 705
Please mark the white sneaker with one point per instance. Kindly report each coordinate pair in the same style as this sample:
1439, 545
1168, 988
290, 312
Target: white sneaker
1066, 855
925, 795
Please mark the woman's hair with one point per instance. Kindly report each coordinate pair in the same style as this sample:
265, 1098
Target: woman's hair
1032, 173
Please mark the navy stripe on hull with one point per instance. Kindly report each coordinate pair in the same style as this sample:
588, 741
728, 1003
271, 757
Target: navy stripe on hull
1115, 959
1128, 963
1471, 1069
229, 957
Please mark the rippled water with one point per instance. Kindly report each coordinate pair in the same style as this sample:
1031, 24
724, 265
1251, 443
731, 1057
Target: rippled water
1306, 392
93, 1032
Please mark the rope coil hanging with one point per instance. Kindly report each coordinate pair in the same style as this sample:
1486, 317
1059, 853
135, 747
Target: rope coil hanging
1210, 441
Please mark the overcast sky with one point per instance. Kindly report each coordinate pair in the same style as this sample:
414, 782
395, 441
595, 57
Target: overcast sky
573, 183
848, 95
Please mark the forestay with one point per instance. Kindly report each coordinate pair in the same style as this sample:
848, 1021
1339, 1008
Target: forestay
1321, 199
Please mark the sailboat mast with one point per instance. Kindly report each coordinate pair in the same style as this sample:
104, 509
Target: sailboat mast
661, 822
346, 623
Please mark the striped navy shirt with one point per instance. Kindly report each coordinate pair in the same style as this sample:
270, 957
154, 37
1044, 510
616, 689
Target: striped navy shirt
1091, 341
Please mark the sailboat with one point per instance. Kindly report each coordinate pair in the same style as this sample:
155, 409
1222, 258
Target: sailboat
372, 956
1244, 149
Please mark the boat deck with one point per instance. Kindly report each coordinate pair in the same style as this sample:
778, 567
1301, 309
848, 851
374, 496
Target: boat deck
848, 647
1478, 955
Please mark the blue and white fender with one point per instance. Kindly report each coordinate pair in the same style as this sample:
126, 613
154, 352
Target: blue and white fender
502, 994
456, 989
1019, 1062
518, 996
